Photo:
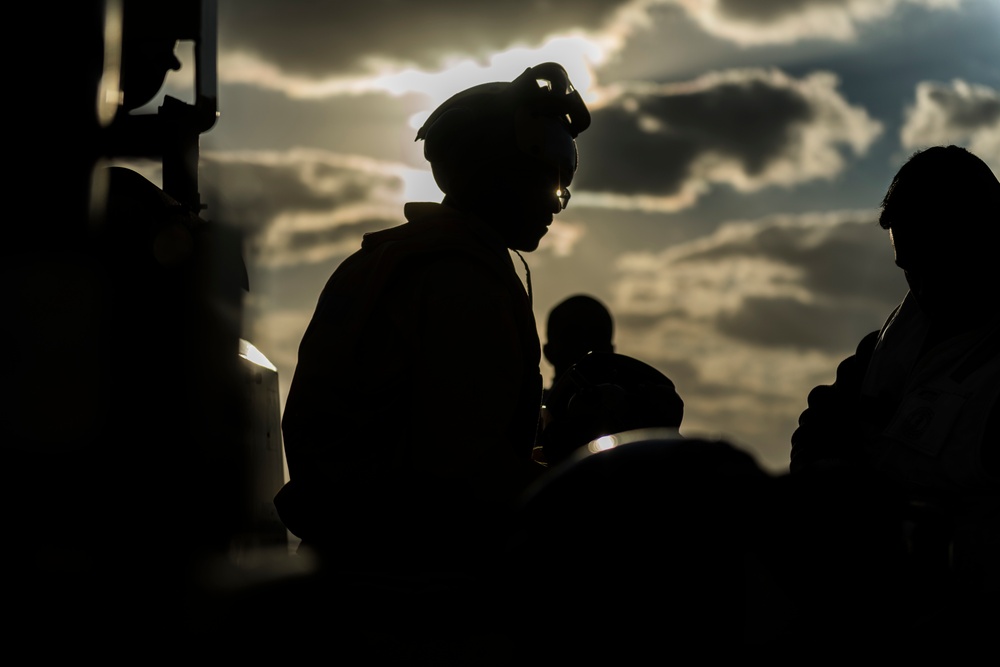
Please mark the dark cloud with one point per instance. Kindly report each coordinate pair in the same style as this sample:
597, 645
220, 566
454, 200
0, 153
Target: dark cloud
809, 283
786, 322
639, 321
747, 128
251, 191
298, 241
851, 260
847, 267
321, 38
760, 22
767, 11
374, 123
958, 112
964, 112
750, 122
616, 155
720, 391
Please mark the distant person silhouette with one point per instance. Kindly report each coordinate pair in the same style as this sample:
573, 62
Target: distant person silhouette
396, 462
576, 325
919, 401
605, 393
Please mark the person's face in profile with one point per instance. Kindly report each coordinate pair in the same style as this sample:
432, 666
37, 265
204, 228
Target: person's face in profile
533, 194
939, 260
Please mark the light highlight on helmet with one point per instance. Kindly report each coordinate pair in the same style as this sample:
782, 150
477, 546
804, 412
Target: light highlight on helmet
603, 443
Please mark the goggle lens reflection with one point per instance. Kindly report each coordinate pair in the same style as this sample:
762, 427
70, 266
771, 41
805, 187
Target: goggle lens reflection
562, 194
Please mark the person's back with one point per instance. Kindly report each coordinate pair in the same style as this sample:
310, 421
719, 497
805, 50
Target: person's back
395, 461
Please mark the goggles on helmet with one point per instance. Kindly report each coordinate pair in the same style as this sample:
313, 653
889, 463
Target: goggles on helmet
547, 113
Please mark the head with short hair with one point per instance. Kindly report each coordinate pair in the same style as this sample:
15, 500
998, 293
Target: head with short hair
506, 151
577, 325
940, 209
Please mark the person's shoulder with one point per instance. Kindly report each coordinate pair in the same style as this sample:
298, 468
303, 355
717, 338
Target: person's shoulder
444, 232
428, 212
427, 226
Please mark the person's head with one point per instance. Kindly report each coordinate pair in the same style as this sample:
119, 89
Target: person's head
602, 394
942, 210
506, 151
577, 325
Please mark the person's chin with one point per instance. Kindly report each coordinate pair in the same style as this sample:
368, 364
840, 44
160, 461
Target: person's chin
529, 236
526, 245
537, 239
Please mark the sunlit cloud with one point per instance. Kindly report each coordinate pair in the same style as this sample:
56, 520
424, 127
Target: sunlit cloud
309, 206
960, 113
310, 51
823, 260
419, 185
305, 206
561, 239
578, 54
316, 49
747, 320
236, 67
751, 23
662, 147
687, 195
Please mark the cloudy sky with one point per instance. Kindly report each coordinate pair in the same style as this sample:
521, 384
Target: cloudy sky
728, 187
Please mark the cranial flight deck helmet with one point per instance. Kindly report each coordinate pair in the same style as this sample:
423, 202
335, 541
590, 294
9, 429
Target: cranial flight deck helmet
538, 115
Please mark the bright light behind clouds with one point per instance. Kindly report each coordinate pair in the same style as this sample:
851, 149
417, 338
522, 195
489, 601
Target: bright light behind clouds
578, 54
419, 185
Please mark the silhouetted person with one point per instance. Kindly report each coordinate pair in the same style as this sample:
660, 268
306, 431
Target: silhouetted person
918, 404
605, 393
396, 462
576, 325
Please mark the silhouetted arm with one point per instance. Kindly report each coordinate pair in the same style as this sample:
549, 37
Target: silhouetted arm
829, 427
